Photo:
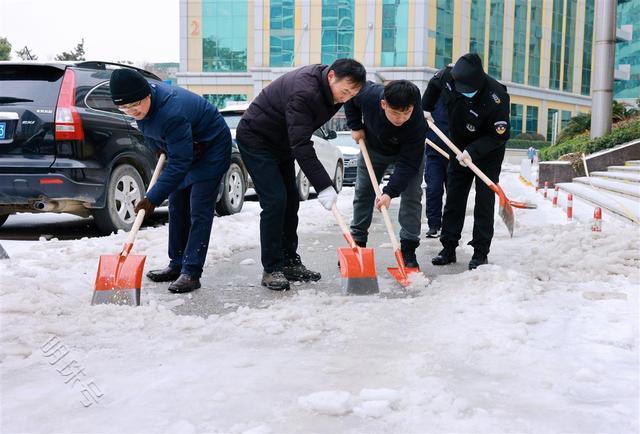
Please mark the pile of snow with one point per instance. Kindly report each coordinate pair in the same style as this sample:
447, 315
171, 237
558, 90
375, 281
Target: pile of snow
543, 339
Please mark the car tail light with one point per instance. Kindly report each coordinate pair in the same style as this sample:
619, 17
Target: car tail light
68, 123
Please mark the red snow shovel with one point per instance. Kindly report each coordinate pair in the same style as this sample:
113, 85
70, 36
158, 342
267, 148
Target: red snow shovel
357, 264
504, 207
514, 203
402, 272
120, 276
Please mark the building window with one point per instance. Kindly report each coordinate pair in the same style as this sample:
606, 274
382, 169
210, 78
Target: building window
476, 37
556, 46
395, 23
552, 118
516, 119
519, 41
220, 100
444, 33
585, 87
224, 31
535, 40
282, 33
496, 21
566, 117
532, 119
337, 29
569, 43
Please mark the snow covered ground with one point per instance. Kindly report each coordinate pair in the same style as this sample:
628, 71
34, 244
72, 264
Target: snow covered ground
543, 339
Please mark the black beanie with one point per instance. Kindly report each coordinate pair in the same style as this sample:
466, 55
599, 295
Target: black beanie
467, 73
127, 86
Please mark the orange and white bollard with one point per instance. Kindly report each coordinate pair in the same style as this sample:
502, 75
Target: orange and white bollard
570, 207
546, 186
555, 196
597, 220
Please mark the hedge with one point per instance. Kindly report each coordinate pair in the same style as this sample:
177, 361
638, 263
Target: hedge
526, 144
623, 132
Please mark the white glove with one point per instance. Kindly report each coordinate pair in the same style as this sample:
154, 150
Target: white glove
328, 197
428, 117
464, 158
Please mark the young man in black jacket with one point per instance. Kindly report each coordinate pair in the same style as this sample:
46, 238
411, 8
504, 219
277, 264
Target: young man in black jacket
275, 130
478, 109
390, 121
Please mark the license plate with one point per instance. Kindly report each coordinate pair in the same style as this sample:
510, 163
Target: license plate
3, 130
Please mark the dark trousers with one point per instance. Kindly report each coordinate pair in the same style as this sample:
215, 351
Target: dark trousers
435, 176
274, 179
458, 187
191, 211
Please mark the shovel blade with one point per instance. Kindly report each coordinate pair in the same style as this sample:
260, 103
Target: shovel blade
504, 208
400, 276
3, 253
119, 280
523, 205
358, 270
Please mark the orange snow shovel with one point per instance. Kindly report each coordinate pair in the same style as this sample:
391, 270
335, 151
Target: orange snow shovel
402, 272
514, 203
357, 264
504, 207
120, 276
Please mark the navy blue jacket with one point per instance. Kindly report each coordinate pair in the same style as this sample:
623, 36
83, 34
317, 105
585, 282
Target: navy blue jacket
441, 119
406, 141
176, 120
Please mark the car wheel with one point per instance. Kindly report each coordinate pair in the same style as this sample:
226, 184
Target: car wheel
233, 187
303, 186
124, 190
338, 177
3, 218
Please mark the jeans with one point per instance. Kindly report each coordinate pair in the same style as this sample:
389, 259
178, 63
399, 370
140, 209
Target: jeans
191, 211
435, 175
410, 214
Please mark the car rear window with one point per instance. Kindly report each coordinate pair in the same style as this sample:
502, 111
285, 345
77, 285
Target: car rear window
30, 84
232, 118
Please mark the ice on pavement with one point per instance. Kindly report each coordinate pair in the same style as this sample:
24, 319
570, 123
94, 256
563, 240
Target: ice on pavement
543, 339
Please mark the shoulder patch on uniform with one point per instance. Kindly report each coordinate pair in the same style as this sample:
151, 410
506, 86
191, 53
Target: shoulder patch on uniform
495, 98
501, 127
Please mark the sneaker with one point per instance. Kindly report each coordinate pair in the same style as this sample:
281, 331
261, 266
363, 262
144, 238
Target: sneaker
408, 249
433, 233
446, 256
185, 283
477, 260
275, 281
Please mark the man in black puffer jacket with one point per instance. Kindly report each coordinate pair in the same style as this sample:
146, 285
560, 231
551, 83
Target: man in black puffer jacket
274, 132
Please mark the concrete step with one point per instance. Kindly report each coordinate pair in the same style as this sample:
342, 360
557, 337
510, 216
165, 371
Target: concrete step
624, 188
632, 163
622, 206
632, 169
621, 176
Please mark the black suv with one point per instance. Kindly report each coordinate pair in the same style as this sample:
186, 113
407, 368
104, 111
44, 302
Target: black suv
65, 147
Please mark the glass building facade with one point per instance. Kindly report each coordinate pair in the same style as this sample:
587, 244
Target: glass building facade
337, 29
628, 52
516, 119
224, 35
282, 37
540, 49
395, 29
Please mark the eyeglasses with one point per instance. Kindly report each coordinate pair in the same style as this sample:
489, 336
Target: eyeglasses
127, 107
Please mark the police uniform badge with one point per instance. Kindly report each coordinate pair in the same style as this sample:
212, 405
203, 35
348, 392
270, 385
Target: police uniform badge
501, 127
495, 98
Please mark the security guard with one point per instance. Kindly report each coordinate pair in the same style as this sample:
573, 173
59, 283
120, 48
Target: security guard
478, 109
197, 142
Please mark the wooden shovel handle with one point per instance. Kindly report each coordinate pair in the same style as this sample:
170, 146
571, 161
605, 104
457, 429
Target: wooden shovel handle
343, 226
376, 188
140, 216
457, 151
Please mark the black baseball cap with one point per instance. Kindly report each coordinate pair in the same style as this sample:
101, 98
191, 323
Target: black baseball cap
468, 74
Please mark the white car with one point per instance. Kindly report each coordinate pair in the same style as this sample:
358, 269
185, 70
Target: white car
328, 153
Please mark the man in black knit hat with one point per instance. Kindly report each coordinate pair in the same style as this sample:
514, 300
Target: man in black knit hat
197, 142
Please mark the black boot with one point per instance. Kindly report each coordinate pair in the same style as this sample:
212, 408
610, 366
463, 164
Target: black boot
295, 271
165, 275
446, 256
408, 249
185, 283
275, 281
477, 260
